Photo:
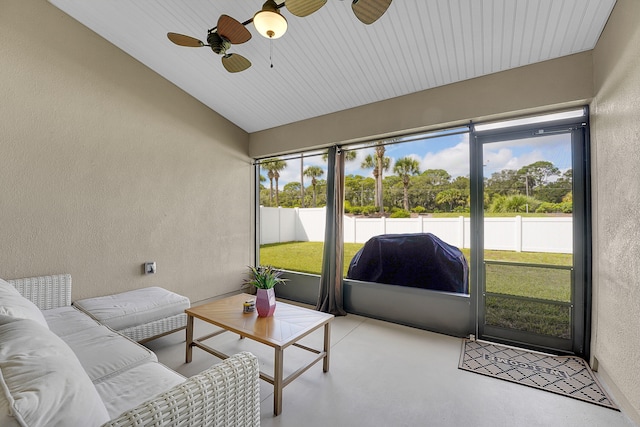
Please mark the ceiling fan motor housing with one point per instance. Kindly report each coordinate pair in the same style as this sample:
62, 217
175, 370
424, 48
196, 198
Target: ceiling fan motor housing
218, 44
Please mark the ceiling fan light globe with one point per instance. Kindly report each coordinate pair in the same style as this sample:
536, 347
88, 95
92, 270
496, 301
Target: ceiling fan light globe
269, 22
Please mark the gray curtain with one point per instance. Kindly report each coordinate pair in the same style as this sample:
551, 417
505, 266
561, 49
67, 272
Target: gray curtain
330, 299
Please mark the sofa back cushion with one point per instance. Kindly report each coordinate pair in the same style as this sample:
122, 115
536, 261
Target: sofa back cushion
15, 305
41, 380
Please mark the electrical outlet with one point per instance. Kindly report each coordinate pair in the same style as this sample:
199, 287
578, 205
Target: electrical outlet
149, 267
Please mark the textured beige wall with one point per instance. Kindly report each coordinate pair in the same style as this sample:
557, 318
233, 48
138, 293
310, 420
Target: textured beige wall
538, 87
616, 192
105, 165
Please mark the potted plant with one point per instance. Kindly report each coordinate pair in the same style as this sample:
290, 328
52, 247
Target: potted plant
264, 278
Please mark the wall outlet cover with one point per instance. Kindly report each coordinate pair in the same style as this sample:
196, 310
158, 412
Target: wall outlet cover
149, 267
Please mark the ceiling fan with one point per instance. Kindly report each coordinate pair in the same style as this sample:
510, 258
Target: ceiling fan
227, 32
269, 23
367, 11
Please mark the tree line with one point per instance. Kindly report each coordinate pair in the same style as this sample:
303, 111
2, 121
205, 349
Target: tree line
400, 187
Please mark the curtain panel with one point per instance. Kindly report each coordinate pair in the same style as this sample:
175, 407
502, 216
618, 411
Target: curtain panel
330, 298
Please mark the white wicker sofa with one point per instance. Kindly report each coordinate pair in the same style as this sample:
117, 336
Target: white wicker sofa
59, 367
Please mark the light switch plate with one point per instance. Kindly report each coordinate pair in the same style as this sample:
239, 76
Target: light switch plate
149, 267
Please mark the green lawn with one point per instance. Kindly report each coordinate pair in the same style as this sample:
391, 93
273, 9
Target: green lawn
518, 294
306, 257
494, 214
529, 298
302, 256
531, 282
536, 317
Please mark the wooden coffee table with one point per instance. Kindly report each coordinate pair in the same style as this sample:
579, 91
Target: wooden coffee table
286, 327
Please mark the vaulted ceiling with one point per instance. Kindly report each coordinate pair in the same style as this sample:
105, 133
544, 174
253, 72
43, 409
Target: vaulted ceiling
330, 61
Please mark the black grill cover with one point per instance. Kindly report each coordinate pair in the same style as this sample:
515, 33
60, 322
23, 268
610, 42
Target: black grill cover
416, 260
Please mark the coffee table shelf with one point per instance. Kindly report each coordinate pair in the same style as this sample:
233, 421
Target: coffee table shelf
288, 325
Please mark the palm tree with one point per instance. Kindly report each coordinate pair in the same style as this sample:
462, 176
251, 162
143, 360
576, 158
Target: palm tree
277, 167
404, 168
349, 155
452, 197
270, 175
379, 163
380, 159
274, 166
313, 172
369, 162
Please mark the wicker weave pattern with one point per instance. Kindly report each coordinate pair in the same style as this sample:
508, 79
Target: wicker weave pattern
142, 333
227, 394
46, 292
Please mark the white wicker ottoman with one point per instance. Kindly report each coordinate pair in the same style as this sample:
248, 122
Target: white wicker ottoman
142, 315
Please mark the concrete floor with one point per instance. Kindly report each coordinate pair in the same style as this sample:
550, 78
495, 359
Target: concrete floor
383, 374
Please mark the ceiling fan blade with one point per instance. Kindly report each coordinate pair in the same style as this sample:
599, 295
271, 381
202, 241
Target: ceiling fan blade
182, 40
369, 11
302, 8
232, 30
234, 63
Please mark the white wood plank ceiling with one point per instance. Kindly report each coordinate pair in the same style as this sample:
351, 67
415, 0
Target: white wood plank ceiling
330, 61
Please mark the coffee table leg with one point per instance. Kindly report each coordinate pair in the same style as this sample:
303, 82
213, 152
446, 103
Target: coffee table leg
327, 346
277, 382
189, 353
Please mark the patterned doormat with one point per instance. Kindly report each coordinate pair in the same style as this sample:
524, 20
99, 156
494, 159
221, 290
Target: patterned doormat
566, 375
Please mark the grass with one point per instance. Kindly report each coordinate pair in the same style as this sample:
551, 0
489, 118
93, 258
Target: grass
495, 214
530, 282
531, 285
529, 316
526, 298
306, 257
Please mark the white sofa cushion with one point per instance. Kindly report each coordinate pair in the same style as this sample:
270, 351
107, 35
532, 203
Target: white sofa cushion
121, 393
101, 351
134, 308
15, 305
42, 382
104, 352
68, 320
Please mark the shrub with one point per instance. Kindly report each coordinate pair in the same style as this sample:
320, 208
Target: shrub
419, 209
547, 207
368, 210
515, 203
356, 210
498, 204
564, 207
400, 213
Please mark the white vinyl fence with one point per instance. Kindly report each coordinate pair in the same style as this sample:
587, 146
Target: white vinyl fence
530, 234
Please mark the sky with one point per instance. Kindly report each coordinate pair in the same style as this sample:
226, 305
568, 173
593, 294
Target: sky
516, 154
451, 153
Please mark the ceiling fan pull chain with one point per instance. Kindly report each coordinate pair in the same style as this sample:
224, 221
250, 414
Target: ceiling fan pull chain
271, 52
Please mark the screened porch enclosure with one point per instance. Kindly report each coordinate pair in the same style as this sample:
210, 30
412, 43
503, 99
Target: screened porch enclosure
510, 212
